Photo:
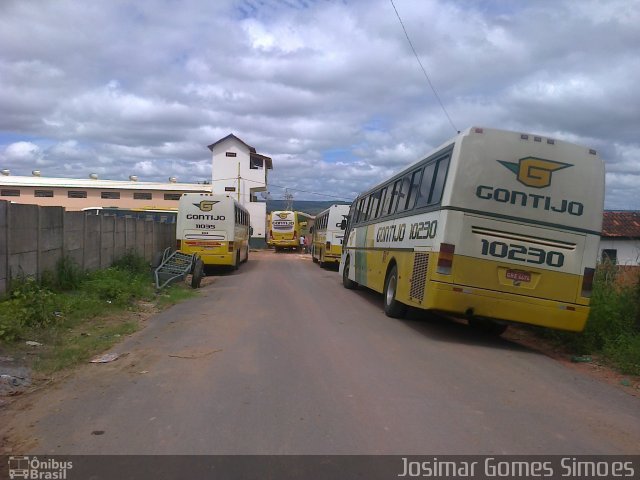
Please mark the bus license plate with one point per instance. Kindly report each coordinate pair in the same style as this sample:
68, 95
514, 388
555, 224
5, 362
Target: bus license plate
518, 275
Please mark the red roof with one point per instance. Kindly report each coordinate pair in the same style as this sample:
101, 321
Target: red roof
621, 223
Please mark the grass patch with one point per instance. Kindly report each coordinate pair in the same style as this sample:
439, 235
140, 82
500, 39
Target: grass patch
79, 345
175, 293
613, 327
76, 315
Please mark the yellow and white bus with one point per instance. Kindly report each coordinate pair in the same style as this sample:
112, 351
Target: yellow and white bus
328, 234
216, 227
287, 227
498, 226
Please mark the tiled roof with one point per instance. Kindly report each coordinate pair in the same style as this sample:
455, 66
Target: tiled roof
621, 223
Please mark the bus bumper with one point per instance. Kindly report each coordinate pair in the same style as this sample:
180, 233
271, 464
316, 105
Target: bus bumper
218, 259
506, 306
286, 243
331, 258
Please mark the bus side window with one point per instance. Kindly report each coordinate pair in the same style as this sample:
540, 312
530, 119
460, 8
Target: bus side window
384, 203
375, 201
438, 182
359, 216
367, 211
416, 177
425, 185
395, 194
403, 197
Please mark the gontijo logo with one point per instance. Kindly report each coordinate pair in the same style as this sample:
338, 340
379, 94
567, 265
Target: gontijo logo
205, 205
534, 172
283, 215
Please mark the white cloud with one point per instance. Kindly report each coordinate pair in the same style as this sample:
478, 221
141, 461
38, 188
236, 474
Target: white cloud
330, 90
22, 151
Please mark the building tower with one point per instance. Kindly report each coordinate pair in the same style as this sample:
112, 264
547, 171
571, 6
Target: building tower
239, 171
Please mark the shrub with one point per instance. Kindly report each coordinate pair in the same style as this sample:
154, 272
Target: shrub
33, 303
132, 262
66, 276
28, 305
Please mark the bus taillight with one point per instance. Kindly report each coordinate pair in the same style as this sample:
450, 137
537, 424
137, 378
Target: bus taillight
328, 246
295, 234
230, 247
587, 281
178, 244
445, 258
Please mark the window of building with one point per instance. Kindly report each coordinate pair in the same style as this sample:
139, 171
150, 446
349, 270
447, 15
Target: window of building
43, 193
256, 163
6, 192
172, 196
76, 194
230, 154
142, 195
609, 255
112, 195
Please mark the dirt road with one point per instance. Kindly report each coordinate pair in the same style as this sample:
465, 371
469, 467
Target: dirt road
279, 358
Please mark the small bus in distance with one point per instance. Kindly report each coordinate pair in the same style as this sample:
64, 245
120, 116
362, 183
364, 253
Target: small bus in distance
328, 234
215, 227
493, 225
287, 227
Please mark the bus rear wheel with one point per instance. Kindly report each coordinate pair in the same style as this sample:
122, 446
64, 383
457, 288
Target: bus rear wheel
346, 281
392, 307
197, 274
237, 264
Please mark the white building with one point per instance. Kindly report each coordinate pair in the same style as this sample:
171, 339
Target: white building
238, 170
620, 240
79, 194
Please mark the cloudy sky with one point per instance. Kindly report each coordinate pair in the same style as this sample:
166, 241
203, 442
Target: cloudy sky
331, 90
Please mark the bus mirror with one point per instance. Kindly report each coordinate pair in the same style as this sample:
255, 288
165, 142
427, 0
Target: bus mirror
343, 224
311, 230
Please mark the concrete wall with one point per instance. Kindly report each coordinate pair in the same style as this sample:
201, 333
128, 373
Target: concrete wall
33, 238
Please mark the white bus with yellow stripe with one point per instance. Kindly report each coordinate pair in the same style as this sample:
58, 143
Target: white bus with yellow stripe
216, 227
498, 226
328, 235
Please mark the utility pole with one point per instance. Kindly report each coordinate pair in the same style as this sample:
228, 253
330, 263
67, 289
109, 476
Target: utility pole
238, 182
288, 196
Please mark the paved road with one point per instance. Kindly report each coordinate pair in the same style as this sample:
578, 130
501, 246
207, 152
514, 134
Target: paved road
278, 358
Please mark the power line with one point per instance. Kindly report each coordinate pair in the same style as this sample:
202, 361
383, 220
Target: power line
288, 188
423, 69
